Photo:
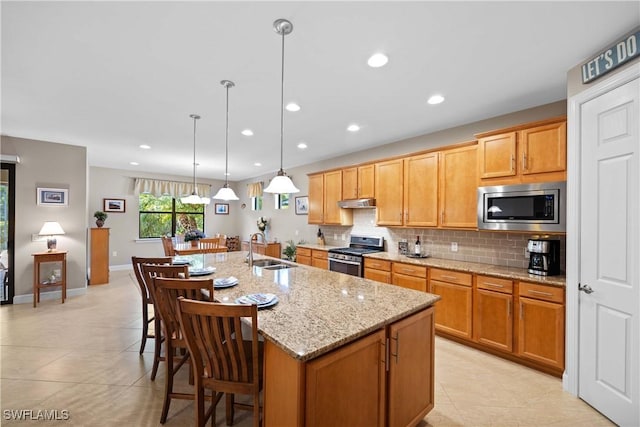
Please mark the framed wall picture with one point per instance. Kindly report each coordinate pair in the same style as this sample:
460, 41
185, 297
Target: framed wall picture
52, 196
222, 208
113, 205
302, 205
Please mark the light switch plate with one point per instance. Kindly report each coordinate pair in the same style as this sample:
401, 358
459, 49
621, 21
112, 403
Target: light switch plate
454, 246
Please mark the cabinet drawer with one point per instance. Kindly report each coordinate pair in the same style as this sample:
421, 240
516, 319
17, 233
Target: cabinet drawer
377, 264
305, 252
377, 275
541, 292
494, 284
451, 276
319, 254
409, 270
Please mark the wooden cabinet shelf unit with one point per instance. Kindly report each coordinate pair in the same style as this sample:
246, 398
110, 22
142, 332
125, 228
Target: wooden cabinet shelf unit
99, 267
271, 249
313, 257
358, 182
535, 152
325, 191
47, 281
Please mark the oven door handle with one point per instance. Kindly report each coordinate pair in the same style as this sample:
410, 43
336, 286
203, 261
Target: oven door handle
343, 261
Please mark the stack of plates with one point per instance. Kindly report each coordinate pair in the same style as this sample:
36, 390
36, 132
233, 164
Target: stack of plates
225, 282
201, 271
261, 300
181, 261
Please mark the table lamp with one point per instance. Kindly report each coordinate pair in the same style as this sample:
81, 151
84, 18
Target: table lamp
51, 229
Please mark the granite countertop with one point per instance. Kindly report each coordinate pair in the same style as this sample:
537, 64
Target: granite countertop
318, 310
320, 247
474, 267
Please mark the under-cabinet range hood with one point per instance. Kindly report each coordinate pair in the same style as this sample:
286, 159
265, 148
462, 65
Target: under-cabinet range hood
357, 203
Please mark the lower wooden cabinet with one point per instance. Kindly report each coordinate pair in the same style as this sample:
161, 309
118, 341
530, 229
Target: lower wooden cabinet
383, 379
541, 324
409, 276
454, 310
303, 255
268, 249
493, 312
378, 270
319, 258
99, 267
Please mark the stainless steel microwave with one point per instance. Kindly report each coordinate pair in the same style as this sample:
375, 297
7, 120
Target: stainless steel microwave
528, 207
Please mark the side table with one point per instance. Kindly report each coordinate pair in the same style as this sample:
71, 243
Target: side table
38, 283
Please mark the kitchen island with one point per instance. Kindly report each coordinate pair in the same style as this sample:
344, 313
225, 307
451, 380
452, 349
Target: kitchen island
339, 350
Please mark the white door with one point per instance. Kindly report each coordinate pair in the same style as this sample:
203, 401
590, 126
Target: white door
609, 329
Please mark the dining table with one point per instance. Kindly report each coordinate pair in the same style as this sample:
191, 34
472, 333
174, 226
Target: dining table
189, 249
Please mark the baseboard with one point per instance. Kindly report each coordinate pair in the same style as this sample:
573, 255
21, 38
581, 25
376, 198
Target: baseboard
121, 267
51, 295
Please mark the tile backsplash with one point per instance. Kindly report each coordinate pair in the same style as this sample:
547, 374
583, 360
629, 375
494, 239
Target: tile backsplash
504, 248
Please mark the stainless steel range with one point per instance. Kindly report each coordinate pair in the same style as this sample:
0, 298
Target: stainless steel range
349, 260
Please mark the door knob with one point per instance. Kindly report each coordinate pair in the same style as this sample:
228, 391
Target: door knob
586, 289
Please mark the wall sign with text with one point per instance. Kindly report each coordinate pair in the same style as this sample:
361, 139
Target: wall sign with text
618, 54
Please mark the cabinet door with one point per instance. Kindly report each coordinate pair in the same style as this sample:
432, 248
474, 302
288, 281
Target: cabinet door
316, 199
541, 332
544, 149
350, 183
453, 311
389, 192
410, 282
497, 155
347, 386
493, 320
411, 369
458, 188
319, 259
377, 275
332, 194
303, 256
421, 191
273, 250
366, 181
99, 256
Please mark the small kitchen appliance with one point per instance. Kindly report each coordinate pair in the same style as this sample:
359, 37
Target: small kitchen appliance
349, 260
544, 257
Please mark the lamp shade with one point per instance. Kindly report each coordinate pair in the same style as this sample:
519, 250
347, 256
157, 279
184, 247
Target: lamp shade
51, 228
226, 193
194, 199
281, 184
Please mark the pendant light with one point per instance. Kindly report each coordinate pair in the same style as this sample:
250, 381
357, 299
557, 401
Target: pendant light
193, 198
281, 183
226, 193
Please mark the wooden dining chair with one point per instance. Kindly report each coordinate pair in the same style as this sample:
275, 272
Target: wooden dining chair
149, 273
167, 293
146, 298
223, 360
167, 245
210, 244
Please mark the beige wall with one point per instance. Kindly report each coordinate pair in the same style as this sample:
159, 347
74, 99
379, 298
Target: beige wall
123, 240
44, 164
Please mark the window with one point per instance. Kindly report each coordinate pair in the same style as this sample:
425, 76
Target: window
163, 216
281, 201
256, 203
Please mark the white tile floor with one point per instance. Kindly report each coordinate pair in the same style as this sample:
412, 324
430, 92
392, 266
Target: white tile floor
82, 357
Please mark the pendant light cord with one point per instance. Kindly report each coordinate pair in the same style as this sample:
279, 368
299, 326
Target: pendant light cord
226, 144
194, 155
282, 109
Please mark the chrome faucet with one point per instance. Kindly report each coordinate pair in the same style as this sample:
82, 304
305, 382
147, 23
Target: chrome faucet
250, 254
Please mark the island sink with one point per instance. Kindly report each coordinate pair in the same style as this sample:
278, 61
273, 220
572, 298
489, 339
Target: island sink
271, 264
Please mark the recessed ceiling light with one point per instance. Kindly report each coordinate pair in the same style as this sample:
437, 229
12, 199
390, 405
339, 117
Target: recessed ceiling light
257, 164
247, 132
145, 147
378, 60
436, 99
292, 106
353, 128
302, 145
134, 163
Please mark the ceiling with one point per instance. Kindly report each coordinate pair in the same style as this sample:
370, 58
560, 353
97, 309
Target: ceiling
114, 75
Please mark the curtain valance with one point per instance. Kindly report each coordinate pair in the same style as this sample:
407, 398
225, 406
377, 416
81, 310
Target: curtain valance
159, 188
254, 189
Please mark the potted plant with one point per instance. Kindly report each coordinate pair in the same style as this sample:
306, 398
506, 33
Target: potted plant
100, 217
290, 251
193, 236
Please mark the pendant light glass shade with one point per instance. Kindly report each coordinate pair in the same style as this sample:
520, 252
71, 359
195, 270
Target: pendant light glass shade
194, 198
282, 184
226, 193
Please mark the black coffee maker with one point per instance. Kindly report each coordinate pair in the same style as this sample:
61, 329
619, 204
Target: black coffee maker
544, 257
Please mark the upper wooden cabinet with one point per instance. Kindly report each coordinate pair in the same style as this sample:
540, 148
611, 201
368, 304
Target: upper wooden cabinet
358, 182
325, 190
389, 184
536, 152
421, 190
458, 188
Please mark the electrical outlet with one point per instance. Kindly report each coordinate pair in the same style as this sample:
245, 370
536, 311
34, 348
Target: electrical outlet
454, 246
335, 236
297, 232
344, 237
115, 253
